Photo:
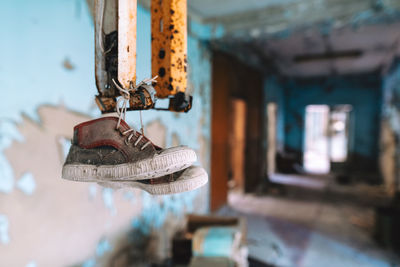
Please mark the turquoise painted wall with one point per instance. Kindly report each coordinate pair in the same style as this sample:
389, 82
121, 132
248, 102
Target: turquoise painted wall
275, 94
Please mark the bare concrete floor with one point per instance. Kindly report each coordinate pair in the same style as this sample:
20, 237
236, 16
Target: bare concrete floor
325, 225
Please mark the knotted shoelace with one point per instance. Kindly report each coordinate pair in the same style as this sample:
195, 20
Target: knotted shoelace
122, 106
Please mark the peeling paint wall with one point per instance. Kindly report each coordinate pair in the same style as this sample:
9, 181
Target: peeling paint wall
390, 148
47, 75
387, 159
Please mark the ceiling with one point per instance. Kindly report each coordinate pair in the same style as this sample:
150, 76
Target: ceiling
305, 37
260, 17
344, 51
208, 9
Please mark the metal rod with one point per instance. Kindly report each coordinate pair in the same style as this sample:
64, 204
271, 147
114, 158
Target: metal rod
127, 11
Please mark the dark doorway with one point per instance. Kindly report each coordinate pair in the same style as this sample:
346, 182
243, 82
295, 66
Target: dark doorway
237, 153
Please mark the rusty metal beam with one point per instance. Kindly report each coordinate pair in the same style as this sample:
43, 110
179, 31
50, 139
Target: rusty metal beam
169, 46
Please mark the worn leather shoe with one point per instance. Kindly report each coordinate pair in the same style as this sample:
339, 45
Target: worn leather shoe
107, 149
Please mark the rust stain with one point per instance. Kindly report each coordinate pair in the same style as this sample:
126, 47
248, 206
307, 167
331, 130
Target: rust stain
169, 46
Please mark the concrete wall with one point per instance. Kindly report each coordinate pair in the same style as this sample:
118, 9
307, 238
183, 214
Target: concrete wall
47, 81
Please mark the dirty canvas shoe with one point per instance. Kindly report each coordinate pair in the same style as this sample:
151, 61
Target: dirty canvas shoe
107, 149
182, 181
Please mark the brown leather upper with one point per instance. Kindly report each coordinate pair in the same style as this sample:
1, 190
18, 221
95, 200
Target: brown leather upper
102, 132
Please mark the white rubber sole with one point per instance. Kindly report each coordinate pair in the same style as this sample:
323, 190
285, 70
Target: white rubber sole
192, 178
169, 161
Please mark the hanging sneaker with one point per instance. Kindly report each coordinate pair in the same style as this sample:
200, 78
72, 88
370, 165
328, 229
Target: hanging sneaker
107, 149
182, 181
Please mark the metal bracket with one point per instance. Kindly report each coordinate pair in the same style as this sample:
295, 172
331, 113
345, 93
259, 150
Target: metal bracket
115, 54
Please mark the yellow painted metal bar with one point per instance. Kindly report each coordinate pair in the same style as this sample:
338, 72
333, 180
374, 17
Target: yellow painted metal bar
169, 46
127, 11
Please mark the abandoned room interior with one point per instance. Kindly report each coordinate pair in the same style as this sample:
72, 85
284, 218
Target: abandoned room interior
277, 134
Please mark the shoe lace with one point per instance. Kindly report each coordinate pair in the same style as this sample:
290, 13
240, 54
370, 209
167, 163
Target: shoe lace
122, 108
